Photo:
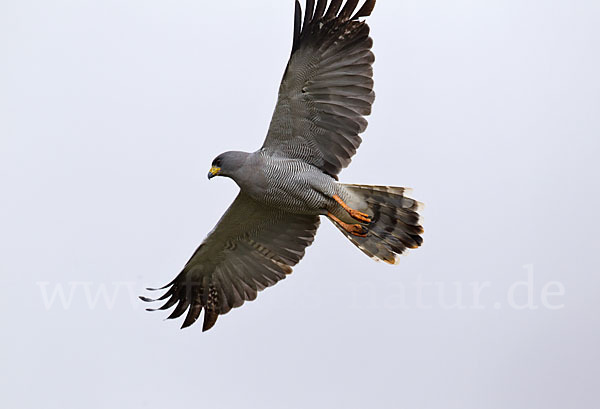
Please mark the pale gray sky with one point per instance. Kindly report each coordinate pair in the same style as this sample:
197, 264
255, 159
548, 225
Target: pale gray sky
110, 115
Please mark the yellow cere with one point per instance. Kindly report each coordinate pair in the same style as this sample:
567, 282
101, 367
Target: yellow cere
215, 171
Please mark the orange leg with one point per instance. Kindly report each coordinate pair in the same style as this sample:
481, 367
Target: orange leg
354, 229
360, 216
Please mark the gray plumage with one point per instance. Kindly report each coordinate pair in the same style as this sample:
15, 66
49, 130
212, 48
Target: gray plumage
286, 185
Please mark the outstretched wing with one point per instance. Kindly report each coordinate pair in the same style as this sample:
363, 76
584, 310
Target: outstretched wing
252, 247
327, 88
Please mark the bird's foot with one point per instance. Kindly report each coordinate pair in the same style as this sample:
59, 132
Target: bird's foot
357, 230
354, 229
355, 214
360, 216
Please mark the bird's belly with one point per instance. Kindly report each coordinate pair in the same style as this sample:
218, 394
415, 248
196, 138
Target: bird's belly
302, 193
297, 198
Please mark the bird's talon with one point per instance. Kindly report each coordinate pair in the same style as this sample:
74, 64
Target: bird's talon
355, 214
355, 229
360, 216
358, 230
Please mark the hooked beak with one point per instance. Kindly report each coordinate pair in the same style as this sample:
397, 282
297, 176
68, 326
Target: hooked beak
214, 171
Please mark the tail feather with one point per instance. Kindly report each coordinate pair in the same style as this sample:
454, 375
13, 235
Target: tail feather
395, 222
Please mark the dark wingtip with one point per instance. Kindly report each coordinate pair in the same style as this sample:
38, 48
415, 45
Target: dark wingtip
164, 286
322, 13
321, 6
192, 315
146, 299
160, 288
348, 10
365, 10
182, 306
210, 318
333, 9
308, 14
297, 26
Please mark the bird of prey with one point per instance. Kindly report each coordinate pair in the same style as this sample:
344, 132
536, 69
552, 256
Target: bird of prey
291, 181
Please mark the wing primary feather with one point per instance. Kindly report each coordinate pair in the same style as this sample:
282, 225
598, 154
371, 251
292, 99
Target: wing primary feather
161, 288
348, 10
204, 290
167, 294
180, 309
334, 7
162, 297
365, 10
246, 278
308, 14
237, 290
210, 318
192, 314
297, 26
321, 6
146, 299
225, 296
170, 302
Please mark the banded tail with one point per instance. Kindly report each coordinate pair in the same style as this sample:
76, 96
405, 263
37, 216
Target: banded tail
394, 226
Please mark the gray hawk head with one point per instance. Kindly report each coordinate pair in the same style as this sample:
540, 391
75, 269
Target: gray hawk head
228, 164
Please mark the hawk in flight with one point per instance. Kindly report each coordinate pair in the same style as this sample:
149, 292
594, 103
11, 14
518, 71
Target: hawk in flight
291, 181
